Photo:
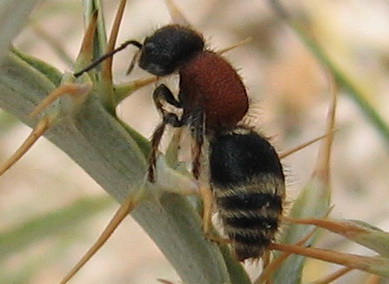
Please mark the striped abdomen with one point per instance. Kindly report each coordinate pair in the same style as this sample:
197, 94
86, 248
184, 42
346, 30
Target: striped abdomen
249, 187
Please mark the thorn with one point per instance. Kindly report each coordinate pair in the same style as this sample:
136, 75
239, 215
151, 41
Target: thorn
275, 264
238, 44
139, 83
124, 209
37, 132
374, 279
107, 65
306, 144
306, 221
364, 263
87, 42
66, 89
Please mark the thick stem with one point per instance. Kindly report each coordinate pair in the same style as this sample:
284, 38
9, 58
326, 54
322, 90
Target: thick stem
100, 144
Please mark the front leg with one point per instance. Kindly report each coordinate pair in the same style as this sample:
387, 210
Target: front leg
162, 95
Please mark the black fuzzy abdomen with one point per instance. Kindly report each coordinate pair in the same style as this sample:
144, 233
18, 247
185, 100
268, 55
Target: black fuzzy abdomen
249, 186
250, 228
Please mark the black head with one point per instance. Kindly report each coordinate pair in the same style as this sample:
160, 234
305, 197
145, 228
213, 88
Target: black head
168, 47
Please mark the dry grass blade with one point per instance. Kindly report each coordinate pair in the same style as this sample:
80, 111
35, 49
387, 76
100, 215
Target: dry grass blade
322, 169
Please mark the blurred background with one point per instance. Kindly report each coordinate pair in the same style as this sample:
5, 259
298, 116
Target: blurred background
282, 76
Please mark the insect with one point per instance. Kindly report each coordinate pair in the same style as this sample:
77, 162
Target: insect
245, 171
212, 95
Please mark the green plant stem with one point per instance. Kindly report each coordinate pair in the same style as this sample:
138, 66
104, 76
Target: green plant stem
100, 144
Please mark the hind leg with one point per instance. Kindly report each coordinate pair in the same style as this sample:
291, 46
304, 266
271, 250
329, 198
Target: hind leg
197, 127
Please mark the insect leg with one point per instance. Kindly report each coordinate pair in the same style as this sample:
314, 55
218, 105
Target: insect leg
198, 132
161, 95
197, 122
207, 197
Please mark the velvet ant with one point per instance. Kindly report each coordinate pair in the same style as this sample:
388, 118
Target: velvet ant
246, 175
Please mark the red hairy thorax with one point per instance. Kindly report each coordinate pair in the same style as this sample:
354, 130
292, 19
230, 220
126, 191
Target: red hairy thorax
209, 82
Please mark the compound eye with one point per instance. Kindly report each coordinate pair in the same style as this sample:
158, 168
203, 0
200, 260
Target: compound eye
155, 59
156, 53
149, 48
